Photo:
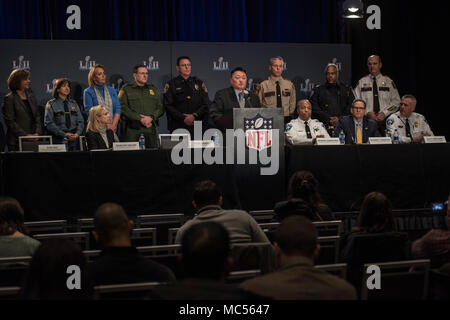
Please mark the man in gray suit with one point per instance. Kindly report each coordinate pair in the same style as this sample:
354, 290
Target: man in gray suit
221, 110
296, 248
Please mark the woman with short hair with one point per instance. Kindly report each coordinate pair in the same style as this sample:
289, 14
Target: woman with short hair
20, 110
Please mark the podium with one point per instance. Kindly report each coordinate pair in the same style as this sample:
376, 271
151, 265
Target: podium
263, 129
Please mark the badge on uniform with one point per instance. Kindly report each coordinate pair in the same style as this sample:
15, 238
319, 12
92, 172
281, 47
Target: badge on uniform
152, 92
390, 122
416, 124
383, 84
288, 127
392, 108
73, 108
166, 88
196, 87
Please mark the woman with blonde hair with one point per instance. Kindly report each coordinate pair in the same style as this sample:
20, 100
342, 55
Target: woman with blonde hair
99, 93
98, 135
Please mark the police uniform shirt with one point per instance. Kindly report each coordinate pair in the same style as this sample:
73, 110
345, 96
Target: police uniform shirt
185, 96
268, 95
55, 118
388, 95
417, 123
296, 132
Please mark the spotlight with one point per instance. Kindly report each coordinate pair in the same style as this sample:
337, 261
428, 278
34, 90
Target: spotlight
353, 9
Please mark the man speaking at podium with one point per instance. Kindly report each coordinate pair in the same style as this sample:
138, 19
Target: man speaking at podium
221, 111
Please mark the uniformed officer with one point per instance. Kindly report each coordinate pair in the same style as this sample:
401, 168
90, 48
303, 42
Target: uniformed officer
305, 130
332, 99
378, 91
141, 108
276, 92
185, 98
411, 126
63, 117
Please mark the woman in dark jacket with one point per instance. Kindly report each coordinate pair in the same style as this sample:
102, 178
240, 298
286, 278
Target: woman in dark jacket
20, 110
303, 199
98, 136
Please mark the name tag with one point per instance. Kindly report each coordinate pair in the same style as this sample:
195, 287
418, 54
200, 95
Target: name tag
52, 148
327, 142
436, 139
380, 140
125, 146
195, 144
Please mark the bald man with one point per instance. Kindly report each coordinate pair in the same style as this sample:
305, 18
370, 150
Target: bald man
378, 91
305, 130
119, 261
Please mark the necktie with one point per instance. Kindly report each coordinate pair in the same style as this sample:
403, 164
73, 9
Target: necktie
67, 113
278, 95
359, 139
407, 128
376, 101
241, 100
308, 130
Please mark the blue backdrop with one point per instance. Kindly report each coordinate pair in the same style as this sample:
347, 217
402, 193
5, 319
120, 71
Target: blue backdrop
175, 20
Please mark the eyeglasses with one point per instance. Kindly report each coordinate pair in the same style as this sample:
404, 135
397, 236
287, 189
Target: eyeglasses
143, 73
185, 65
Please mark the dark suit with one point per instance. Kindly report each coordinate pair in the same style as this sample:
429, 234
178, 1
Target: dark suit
221, 110
369, 129
19, 120
95, 141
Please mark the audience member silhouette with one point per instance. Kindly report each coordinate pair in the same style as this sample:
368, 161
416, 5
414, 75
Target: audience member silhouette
303, 199
57, 272
296, 250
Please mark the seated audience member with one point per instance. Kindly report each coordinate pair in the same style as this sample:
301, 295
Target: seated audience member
435, 245
303, 199
63, 118
98, 135
411, 126
357, 127
208, 201
48, 276
305, 130
374, 239
13, 241
206, 262
119, 261
296, 250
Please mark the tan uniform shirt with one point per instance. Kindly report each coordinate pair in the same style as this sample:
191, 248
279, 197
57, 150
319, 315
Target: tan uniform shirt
268, 95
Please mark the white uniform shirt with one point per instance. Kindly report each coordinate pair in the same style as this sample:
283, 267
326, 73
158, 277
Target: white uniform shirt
296, 132
417, 123
387, 93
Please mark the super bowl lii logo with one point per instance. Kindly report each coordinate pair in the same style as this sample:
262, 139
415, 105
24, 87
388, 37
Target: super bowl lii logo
50, 86
151, 64
220, 65
87, 63
21, 63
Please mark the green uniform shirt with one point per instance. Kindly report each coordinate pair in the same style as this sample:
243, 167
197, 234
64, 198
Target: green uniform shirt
136, 101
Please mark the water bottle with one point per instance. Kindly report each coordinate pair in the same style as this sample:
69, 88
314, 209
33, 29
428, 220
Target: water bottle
396, 141
216, 139
66, 143
141, 142
342, 137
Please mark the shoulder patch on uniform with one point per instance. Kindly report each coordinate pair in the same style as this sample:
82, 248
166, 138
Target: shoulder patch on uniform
48, 106
393, 85
288, 127
390, 122
166, 88
204, 87
121, 93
